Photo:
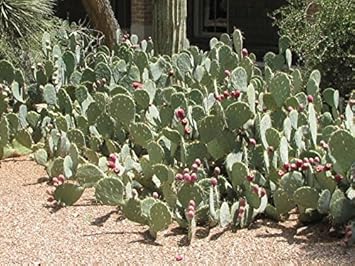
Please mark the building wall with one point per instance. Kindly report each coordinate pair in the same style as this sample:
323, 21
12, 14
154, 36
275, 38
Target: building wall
141, 17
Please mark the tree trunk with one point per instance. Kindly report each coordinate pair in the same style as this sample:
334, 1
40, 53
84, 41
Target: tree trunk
103, 19
169, 26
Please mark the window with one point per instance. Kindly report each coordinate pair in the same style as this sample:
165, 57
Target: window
211, 17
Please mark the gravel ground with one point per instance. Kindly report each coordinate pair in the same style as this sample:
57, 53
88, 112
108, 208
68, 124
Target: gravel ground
98, 235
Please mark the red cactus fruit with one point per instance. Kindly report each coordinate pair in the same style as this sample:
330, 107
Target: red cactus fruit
190, 214
190, 208
226, 94
338, 178
155, 195
328, 166
245, 52
198, 162
310, 98
137, 85
305, 160
214, 181
192, 203
317, 159
194, 167
236, 94
227, 73
287, 166
252, 141
112, 157
187, 130
187, 178
217, 171
179, 177
184, 121
193, 177
186, 170
293, 167
61, 179
111, 164
250, 178
255, 189
320, 168
311, 160
289, 108
262, 192
280, 173
180, 113
178, 258
299, 163
306, 166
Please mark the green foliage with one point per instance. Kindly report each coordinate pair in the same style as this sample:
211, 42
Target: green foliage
322, 35
22, 23
191, 138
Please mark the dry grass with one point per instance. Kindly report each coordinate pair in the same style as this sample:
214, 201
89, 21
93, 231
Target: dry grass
89, 234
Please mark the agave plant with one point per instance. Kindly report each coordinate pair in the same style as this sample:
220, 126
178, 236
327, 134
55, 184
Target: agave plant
22, 23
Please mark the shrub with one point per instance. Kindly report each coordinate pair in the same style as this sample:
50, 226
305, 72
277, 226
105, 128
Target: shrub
22, 23
322, 34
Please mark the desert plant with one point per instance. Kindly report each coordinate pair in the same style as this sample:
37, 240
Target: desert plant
201, 138
322, 34
22, 23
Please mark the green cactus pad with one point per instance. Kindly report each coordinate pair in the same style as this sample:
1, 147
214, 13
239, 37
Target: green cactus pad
172, 134
225, 216
7, 71
109, 191
190, 192
77, 137
41, 157
24, 138
238, 42
160, 217
88, 175
68, 193
132, 209
324, 201
239, 78
141, 134
123, 109
341, 209
291, 181
156, 152
68, 167
280, 88
239, 174
50, 94
4, 132
342, 149
56, 167
237, 115
273, 137
164, 173
283, 202
307, 197
142, 98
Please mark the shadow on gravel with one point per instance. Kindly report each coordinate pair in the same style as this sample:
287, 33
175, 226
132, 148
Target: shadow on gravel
99, 221
44, 179
113, 233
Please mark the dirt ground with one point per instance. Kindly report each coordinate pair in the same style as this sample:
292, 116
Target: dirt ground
98, 235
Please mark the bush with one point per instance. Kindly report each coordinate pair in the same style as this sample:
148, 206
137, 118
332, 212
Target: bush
200, 137
322, 34
22, 23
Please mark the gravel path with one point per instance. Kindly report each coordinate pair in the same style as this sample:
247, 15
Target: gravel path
97, 235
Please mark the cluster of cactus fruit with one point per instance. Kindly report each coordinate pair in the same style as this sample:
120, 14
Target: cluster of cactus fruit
199, 138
